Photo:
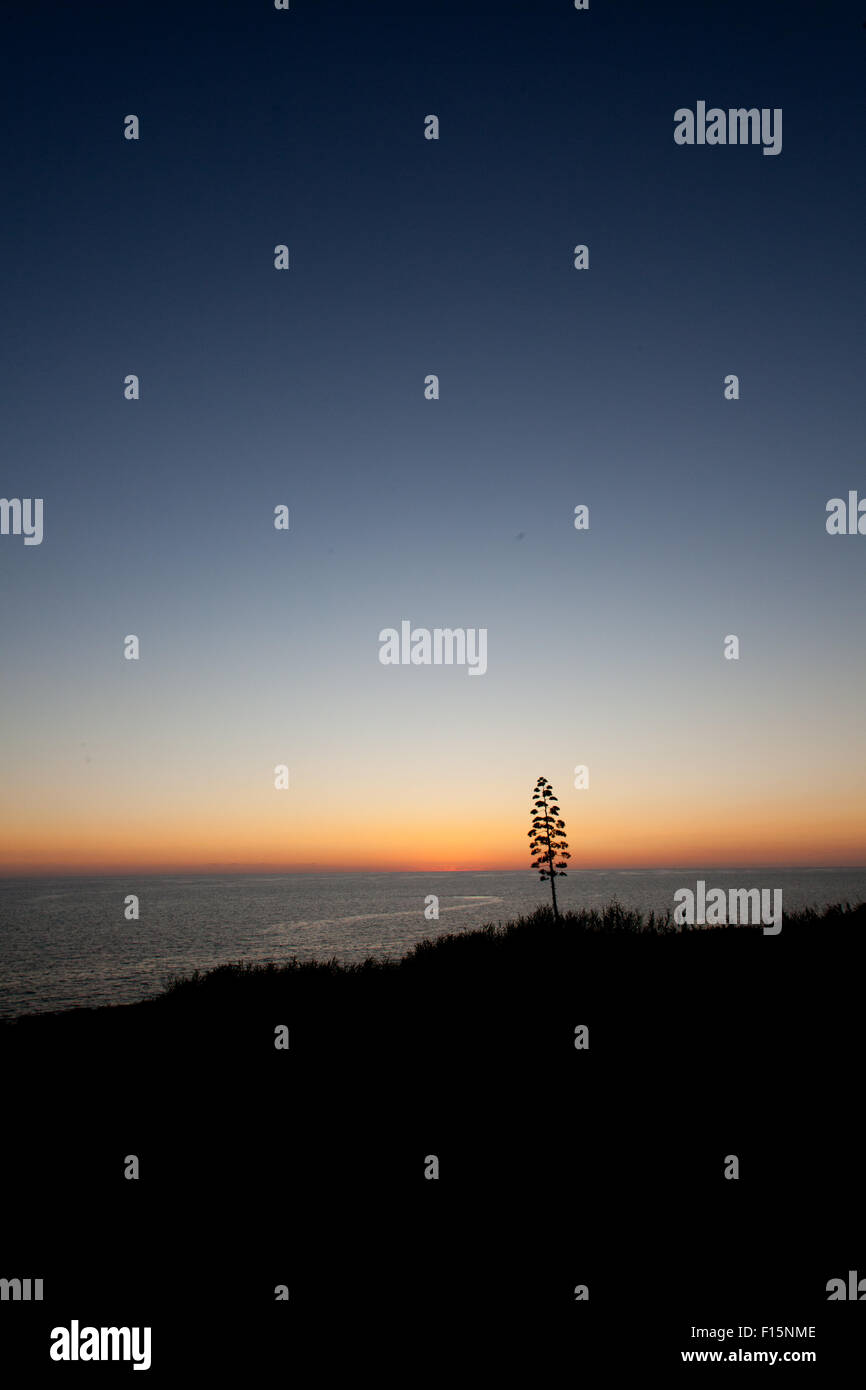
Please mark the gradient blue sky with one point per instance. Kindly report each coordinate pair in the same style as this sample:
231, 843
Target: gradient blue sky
306, 387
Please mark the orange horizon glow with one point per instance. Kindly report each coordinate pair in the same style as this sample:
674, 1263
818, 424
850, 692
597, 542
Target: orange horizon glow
271, 842
228, 871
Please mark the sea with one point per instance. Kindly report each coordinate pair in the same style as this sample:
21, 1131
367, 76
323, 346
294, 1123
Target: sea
66, 942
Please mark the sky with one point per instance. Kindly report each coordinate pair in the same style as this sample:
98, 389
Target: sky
305, 387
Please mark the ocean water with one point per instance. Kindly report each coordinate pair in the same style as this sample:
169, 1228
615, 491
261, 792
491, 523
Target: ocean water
66, 943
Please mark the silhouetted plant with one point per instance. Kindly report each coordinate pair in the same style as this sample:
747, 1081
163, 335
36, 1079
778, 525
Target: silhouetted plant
547, 840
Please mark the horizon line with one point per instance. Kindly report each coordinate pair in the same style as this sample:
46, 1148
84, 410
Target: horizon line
320, 871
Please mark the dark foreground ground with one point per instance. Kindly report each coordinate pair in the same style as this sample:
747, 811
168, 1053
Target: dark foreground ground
558, 1166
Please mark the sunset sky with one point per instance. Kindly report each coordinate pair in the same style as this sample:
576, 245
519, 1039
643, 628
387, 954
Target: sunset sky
306, 387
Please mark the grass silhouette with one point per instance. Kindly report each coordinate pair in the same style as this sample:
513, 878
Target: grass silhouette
540, 937
539, 945
703, 1041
